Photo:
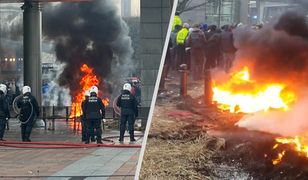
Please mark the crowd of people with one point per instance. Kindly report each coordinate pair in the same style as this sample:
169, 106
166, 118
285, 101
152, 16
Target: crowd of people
201, 47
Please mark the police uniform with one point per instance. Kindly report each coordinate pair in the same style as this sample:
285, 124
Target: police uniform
29, 110
4, 113
84, 126
129, 110
93, 110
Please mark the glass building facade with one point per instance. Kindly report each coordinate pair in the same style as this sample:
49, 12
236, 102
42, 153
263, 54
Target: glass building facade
222, 12
218, 12
11, 51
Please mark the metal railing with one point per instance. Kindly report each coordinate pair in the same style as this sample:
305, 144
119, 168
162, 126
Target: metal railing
51, 114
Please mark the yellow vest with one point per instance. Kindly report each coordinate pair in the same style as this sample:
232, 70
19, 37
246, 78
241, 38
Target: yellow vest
176, 21
181, 36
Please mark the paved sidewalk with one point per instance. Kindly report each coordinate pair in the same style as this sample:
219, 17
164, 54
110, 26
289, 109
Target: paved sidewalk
129, 168
77, 163
102, 162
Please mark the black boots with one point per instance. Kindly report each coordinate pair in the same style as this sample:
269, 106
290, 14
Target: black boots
99, 141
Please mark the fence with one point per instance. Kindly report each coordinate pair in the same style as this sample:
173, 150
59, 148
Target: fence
53, 113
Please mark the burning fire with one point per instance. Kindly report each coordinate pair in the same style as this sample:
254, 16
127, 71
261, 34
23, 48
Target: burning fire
241, 94
89, 79
299, 144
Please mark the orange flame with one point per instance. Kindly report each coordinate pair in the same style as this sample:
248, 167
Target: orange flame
279, 158
298, 144
89, 79
241, 94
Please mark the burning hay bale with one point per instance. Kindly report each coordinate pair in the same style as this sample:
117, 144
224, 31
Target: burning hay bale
256, 158
268, 83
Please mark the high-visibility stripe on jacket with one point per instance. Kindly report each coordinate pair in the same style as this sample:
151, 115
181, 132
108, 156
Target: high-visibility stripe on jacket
182, 35
176, 21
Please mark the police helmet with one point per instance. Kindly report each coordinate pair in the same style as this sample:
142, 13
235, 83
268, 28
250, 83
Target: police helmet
93, 89
26, 89
3, 88
127, 87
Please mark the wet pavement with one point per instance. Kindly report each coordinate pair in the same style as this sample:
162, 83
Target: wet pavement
67, 163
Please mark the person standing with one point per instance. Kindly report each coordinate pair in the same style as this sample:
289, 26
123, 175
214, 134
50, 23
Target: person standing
174, 46
129, 111
4, 110
93, 112
29, 110
177, 21
180, 41
227, 47
196, 40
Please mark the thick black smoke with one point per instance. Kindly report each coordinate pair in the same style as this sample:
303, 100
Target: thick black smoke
276, 53
91, 33
293, 23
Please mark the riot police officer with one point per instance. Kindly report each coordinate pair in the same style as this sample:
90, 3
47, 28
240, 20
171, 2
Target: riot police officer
4, 110
93, 111
29, 110
129, 111
84, 122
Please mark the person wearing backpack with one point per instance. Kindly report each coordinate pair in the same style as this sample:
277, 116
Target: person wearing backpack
196, 41
227, 47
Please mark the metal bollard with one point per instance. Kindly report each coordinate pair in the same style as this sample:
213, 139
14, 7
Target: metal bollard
208, 93
75, 118
53, 119
49, 120
7, 125
66, 113
184, 79
44, 117
103, 126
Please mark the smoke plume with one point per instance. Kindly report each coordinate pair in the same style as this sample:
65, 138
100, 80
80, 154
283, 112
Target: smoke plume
291, 123
277, 53
92, 33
